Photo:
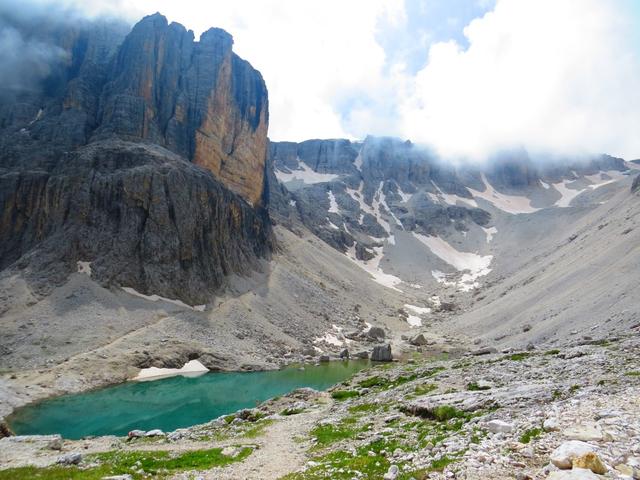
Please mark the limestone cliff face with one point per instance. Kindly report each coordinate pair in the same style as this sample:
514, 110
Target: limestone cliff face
144, 153
197, 99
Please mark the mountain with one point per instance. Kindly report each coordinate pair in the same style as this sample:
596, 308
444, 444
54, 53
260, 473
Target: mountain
409, 218
141, 154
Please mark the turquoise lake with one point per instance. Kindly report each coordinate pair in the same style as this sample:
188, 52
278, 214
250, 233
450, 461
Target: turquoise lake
170, 403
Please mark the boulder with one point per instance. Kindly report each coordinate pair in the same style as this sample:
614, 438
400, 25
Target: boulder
70, 459
575, 474
136, 434
551, 425
5, 431
55, 443
344, 354
392, 473
419, 340
586, 432
484, 351
381, 353
563, 456
590, 461
499, 426
362, 355
376, 334
324, 358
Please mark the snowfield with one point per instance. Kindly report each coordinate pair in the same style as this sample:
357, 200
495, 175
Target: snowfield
306, 175
507, 203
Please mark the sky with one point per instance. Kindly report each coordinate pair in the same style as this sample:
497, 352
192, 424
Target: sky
466, 77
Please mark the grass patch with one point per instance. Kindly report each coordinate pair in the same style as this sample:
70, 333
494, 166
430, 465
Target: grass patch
517, 357
256, 429
552, 352
386, 383
443, 413
156, 463
530, 434
425, 388
344, 394
474, 387
633, 373
291, 411
329, 433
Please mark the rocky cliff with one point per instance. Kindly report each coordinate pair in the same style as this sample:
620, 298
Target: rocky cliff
143, 153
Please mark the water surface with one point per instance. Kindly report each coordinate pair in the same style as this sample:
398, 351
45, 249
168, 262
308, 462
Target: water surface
169, 403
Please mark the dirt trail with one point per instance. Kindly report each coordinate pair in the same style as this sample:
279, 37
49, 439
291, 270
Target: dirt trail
281, 449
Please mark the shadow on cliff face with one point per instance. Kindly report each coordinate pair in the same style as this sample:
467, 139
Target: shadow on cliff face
145, 218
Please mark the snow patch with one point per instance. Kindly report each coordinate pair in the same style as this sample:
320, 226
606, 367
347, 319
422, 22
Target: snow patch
192, 368
372, 267
418, 310
332, 225
568, 194
451, 199
358, 162
306, 175
292, 203
158, 298
84, 267
337, 339
333, 205
597, 180
414, 321
476, 265
507, 203
546, 186
490, 232
405, 196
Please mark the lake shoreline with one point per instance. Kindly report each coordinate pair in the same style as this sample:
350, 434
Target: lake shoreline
28, 390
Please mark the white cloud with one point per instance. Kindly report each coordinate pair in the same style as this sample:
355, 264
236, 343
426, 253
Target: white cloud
552, 75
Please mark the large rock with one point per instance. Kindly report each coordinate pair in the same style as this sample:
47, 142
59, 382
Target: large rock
575, 474
563, 456
590, 461
381, 353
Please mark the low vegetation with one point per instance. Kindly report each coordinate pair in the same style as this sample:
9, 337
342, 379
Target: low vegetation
138, 464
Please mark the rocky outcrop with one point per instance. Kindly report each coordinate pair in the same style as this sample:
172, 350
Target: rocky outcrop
197, 99
143, 154
144, 217
635, 186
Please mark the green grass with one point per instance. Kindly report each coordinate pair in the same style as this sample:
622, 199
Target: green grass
291, 411
473, 386
344, 394
386, 383
256, 429
633, 373
443, 413
517, 357
552, 352
425, 388
157, 463
329, 433
530, 434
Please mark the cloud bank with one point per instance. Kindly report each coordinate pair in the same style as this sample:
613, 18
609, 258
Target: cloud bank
555, 76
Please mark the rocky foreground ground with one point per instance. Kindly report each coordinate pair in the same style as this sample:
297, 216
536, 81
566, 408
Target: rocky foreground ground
567, 413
